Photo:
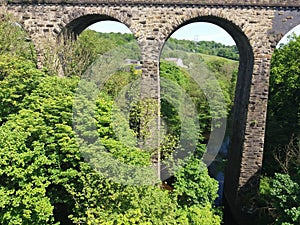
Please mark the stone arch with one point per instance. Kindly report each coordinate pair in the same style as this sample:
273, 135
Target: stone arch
206, 14
285, 20
288, 31
78, 24
242, 93
246, 61
76, 21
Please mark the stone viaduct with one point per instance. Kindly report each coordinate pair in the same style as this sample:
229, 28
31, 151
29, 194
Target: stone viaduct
255, 25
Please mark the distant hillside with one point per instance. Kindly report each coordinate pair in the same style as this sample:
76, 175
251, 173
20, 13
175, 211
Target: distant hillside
172, 46
204, 47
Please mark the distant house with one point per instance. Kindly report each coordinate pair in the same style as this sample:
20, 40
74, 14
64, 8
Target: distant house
132, 62
177, 61
136, 64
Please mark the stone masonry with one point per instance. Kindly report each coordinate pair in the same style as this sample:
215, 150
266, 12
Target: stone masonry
255, 25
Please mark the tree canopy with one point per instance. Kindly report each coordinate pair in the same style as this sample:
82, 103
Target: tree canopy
45, 178
280, 184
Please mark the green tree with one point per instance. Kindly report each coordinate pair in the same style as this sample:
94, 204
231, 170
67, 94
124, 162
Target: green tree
14, 40
42, 154
18, 78
73, 57
283, 121
285, 92
45, 171
280, 189
285, 191
193, 185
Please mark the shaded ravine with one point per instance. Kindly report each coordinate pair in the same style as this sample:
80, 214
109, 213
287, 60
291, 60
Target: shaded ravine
217, 171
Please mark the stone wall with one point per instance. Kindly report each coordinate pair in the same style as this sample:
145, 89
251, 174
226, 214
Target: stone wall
256, 31
288, 3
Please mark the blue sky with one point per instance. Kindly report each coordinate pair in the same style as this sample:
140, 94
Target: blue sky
200, 31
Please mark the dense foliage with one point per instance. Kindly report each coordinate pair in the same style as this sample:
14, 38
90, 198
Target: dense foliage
284, 94
283, 121
18, 78
44, 175
280, 187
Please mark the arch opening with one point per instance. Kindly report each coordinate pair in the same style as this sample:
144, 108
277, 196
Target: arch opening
78, 44
241, 90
